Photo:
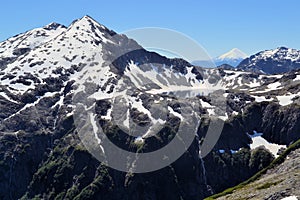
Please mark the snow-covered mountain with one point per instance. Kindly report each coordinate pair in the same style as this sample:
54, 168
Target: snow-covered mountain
20, 44
66, 52
87, 53
233, 58
47, 72
273, 61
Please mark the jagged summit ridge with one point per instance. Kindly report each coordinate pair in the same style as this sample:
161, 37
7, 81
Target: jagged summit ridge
29, 40
280, 53
279, 60
54, 26
88, 23
57, 53
81, 51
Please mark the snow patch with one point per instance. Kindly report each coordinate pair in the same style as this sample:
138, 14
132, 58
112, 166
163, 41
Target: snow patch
7, 97
262, 98
258, 141
176, 114
290, 198
286, 99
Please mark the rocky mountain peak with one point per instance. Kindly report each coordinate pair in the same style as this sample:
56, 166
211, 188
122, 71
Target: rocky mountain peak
84, 21
54, 26
281, 53
88, 24
283, 48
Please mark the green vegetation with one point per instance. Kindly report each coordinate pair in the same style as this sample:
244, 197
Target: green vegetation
275, 163
102, 182
60, 196
37, 197
268, 184
260, 159
72, 192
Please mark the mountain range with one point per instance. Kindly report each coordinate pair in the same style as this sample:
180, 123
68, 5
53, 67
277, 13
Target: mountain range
60, 85
274, 61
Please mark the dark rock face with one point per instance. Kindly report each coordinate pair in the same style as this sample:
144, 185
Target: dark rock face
53, 26
6, 108
20, 158
228, 169
198, 73
278, 124
281, 124
20, 51
226, 67
143, 57
6, 60
54, 164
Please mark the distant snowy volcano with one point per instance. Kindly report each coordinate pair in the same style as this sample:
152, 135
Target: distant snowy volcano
232, 57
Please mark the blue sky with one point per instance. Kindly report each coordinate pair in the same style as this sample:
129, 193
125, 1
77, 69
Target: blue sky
215, 24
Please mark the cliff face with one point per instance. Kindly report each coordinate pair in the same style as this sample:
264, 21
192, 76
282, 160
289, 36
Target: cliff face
34, 166
45, 167
56, 165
